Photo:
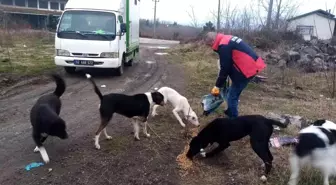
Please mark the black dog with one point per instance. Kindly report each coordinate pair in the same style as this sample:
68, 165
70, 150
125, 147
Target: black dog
45, 120
225, 130
136, 106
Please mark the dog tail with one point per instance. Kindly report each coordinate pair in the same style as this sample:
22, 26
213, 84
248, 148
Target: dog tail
96, 89
278, 123
60, 85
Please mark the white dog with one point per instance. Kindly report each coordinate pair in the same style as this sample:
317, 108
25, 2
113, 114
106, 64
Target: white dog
180, 104
316, 148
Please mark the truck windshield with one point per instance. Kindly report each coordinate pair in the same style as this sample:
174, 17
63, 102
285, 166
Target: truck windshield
87, 25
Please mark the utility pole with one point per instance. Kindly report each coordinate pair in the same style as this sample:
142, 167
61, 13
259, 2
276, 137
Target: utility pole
154, 31
218, 15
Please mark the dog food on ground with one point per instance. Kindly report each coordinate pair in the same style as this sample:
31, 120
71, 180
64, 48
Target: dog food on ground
194, 132
182, 159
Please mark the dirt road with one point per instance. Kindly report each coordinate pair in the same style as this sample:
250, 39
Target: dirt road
75, 160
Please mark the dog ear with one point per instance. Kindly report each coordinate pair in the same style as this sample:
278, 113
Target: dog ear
319, 122
287, 122
157, 97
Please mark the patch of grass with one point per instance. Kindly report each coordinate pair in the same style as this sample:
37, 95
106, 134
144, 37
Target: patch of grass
26, 53
288, 92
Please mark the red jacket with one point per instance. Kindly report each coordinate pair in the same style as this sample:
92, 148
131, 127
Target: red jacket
244, 58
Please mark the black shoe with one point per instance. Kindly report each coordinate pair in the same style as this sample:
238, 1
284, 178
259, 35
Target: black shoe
226, 113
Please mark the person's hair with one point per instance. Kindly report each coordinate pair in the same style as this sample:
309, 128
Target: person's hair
210, 37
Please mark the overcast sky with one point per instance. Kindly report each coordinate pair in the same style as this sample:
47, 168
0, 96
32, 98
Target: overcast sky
176, 10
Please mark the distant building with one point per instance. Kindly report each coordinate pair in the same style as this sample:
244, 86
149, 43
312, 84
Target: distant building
34, 13
318, 23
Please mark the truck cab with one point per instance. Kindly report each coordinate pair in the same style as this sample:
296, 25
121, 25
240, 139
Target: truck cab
97, 34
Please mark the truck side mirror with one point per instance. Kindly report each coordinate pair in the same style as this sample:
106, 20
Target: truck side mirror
123, 28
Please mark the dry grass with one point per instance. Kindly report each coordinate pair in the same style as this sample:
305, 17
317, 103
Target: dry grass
297, 94
26, 52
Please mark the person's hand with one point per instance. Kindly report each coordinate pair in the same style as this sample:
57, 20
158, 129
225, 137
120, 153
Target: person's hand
215, 91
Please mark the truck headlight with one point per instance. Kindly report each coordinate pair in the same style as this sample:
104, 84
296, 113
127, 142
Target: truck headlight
109, 55
62, 52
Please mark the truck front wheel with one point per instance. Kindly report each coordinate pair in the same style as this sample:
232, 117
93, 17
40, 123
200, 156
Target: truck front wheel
120, 69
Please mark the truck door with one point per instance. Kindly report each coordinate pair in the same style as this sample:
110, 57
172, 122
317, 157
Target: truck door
122, 39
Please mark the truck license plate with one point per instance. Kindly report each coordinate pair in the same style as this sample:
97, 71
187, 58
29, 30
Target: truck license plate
84, 62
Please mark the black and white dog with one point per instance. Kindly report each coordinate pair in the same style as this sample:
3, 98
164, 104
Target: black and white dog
45, 120
317, 148
225, 130
135, 106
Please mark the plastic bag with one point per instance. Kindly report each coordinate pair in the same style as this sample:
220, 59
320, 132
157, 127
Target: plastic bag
277, 142
33, 165
210, 102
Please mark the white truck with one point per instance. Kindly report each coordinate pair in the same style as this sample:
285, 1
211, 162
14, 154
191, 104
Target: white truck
98, 34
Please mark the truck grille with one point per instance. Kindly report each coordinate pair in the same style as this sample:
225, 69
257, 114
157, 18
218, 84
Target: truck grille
86, 55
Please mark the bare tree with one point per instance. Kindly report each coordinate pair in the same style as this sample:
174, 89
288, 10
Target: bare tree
277, 17
5, 38
284, 10
265, 5
228, 16
215, 18
218, 15
333, 88
246, 20
261, 6
329, 21
192, 16
232, 18
250, 17
278, 10
269, 14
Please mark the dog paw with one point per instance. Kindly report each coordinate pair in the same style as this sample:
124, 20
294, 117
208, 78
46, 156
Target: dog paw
136, 138
46, 160
97, 146
108, 137
263, 178
203, 153
147, 135
154, 114
183, 125
36, 150
44, 155
291, 183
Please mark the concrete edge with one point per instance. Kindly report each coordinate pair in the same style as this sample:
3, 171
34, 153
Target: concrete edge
157, 41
